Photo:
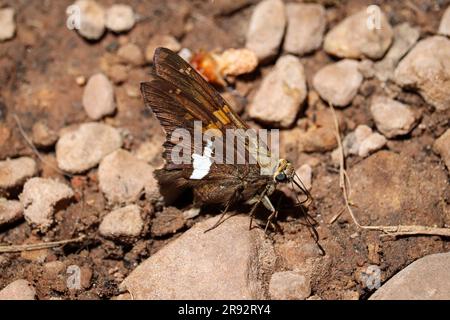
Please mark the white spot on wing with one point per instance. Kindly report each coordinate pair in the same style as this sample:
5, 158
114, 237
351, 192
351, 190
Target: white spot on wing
202, 164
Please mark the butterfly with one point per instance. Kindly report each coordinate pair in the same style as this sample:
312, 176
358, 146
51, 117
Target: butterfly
180, 97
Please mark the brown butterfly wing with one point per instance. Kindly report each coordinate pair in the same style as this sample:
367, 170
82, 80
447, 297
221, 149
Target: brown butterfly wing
178, 96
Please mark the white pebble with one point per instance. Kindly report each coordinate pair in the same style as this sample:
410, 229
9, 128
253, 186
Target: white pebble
14, 172
98, 97
7, 24
39, 198
120, 18
123, 222
82, 149
92, 18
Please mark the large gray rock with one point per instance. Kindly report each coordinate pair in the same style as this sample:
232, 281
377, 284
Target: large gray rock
228, 262
306, 25
281, 94
356, 37
266, 29
425, 279
426, 68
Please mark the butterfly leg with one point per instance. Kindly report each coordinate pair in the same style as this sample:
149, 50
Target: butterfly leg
224, 212
273, 214
257, 200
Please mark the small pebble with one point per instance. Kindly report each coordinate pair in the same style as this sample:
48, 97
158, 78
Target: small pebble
122, 223
10, 211
444, 26
442, 147
191, 213
392, 118
120, 18
131, 54
329, 83
7, 24
39, 198
118, 73
352, 38
266, 29
92, 16
161, 40
306, 25
124, 178
151, 151
281, 94
14, 172
234, 62
371, 144
80, 80
18, 290
43, 136
289, 285
82, 149
169, 221
405, 37
362, 142
98, 97
186, 54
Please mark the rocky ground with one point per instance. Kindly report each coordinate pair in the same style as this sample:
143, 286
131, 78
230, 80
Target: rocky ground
78, 149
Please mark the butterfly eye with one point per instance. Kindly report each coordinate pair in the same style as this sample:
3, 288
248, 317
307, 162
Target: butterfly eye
280, 177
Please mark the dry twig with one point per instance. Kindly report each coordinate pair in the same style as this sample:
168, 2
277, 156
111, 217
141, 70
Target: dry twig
38, 246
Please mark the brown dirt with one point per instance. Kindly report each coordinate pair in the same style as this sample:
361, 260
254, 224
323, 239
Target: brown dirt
38, 71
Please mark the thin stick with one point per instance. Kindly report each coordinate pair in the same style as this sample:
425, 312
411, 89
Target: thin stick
394, 231
38, 246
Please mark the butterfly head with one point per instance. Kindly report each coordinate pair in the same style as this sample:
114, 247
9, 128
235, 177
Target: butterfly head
284, 172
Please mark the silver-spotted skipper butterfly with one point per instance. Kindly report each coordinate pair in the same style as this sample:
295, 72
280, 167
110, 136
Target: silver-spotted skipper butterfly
179, 97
